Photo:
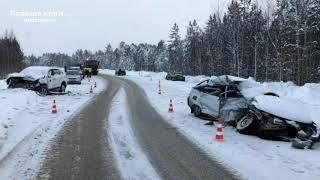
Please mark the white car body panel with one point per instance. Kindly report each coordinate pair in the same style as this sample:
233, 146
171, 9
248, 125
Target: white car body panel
209, 104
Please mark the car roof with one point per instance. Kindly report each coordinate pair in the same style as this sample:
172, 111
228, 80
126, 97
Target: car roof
43, 67
226, 80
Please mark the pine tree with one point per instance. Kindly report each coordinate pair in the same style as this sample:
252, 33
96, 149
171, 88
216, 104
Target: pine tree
175, 50
193, 45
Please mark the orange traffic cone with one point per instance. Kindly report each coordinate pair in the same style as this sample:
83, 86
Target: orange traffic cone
159, 88
95, 84
91, 90
219, 133
54, 107
170, 106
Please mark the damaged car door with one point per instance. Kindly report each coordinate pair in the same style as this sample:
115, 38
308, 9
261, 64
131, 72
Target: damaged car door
209, 100
52, 79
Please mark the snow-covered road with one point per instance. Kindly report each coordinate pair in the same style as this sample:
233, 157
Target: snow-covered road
81, 149
27, 124
131, 159
252, 157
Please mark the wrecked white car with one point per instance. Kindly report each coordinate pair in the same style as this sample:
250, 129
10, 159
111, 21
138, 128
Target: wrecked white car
265, 114
40, 79
218, 97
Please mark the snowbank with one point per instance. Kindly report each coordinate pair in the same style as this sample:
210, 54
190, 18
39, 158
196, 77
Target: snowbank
309, 93
157, 75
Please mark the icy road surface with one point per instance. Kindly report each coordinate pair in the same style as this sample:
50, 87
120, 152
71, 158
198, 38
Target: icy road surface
81, 150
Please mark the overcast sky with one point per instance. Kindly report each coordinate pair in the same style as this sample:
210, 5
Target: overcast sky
91, 24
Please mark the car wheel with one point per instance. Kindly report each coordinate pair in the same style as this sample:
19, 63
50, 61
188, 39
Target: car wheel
63, 87
43, 90
247, 125
196, 111
9, 82
188, 101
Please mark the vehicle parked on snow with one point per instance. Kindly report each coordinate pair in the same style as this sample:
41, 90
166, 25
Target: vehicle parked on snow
175, 77
74, 76
218, 97
120, 72
39, 78
269, 118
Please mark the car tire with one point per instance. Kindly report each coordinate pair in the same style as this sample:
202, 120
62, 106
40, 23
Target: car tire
63, 87
188, 101
43, 90
196, 110
10, 84
247, 125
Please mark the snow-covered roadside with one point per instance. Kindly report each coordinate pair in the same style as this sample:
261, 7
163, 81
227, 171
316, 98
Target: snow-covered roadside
29, 124
252, 157
131, 160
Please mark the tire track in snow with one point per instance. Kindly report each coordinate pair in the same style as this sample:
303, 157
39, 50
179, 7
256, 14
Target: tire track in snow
132, 162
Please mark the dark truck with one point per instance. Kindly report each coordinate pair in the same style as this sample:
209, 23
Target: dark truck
90, 67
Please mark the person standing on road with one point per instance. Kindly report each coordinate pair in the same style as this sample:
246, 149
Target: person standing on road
89, 72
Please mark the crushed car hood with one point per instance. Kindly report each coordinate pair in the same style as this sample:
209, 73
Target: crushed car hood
24, 76
285, 108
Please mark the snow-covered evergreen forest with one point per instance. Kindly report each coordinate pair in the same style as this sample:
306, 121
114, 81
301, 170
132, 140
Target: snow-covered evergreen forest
245, 41
11, 55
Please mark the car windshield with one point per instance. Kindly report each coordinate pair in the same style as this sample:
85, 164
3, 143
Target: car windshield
73, 72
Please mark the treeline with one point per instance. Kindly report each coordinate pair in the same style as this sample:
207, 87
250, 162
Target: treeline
245, 41
11, 55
